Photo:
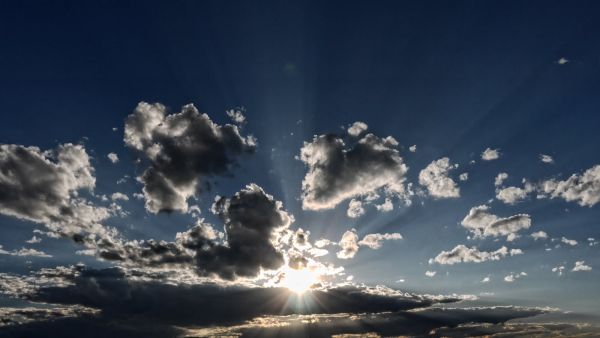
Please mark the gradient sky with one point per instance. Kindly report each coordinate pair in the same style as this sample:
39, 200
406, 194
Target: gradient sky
452, 78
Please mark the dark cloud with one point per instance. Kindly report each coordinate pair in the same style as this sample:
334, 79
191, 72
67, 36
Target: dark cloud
182, 149
337, 171
253, 222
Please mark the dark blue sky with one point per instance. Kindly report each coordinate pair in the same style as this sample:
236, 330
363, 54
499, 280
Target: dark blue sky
453, 78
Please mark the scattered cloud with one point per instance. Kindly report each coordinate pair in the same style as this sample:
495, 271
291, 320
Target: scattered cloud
357, 128
500, 179
482, 223
490, 154
435, 178
181, 150
114, 158
337, 172
464, 176
413, 148
237, 115
584, 188
463, 254
430, 273
562, 61
567, 241
514, 276
546, 159
539, 235
355, 209
580, 266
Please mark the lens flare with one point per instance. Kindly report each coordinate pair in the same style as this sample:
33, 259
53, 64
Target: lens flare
300, 280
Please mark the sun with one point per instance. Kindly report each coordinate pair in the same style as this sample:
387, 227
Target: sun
300, 280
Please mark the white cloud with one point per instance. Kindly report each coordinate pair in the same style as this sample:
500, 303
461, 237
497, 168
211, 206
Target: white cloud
464, 176
430, 273
500, 179
486, 279
373, 241
25, 252
570, 242
236, 115
119, 196
357, 128
34, 240
580, 266
385, 206
355, 209
512, 195
349, 245
559, 269
490, 154
562, 61
512, 277
462, 253
585, 188
435, 178
482, 223
114, 158
539, 235
413, 148
546, 158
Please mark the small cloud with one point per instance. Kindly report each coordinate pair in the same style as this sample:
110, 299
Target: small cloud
546, 158
413, 148
119, 196
237, 115
563, 61
558, 269
355, 209
500, 179
357, 128
513, 277
464, 176
430, 273
539, 235
114, 158
490, 154
570, 242
34, 240
580, 266
486, 279
115, 129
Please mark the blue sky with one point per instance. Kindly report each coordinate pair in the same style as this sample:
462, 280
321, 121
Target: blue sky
452, 78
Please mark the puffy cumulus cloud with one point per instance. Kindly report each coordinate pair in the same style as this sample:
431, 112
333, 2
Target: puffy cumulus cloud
580, 266
237, 115
44, 187
373, 241
182, 149
253, 222
463, 176
357, 128
583, 189
539, 235
435, 178
500, 179
355, 209
482, 223
512, 195
386, 206
514, 276
350, 243
546, 159
490, 154
337, 172
114, 158
119, 196
463, 254
413, 148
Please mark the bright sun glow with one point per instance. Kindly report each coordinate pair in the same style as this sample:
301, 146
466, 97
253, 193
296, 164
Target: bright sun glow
299, 280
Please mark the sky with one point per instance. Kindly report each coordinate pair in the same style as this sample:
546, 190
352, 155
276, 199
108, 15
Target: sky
329, 168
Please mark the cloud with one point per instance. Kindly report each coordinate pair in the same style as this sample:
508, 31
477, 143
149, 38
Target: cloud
490, 154
119, 196
463, 176
337, 172
559, 269
580, 266
463, 254
413, 148
357, 128
114, 158
435, 178
182, 150
237, 115
33, 240
355, 209
500, 179
349, 243
482, 223
386, 206
512, 195
584, 189
486, 279
25, 252
24, 315
546, 159
514, 276
539, 235
570, 242
430, 273
562, 61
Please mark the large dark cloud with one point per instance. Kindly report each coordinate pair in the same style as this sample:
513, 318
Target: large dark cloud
337, 172
182, 149
253, 221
